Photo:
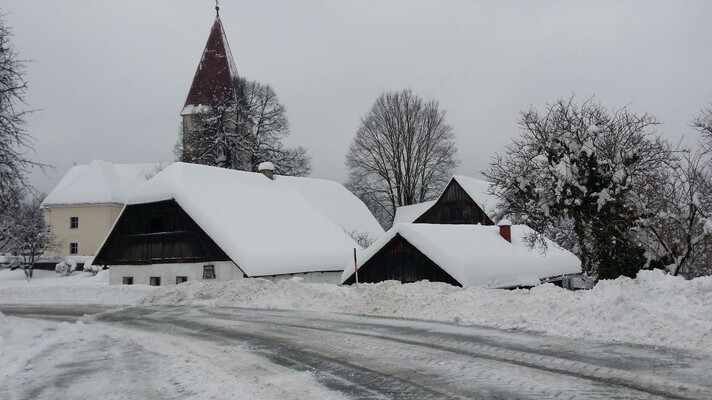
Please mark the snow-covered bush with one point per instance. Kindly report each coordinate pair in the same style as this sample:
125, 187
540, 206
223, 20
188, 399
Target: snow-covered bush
66, 267
576, 173
90, 267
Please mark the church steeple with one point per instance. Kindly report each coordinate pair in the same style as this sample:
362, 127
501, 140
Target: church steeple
216, 70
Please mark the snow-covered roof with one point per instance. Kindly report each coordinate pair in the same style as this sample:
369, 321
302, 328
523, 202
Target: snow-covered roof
336, 202
265, 228
477, 255
408, 214
99, 182
478, 190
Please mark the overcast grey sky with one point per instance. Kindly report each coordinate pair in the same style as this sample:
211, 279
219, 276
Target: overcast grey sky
110, 77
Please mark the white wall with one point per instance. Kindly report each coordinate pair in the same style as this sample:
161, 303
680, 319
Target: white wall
224, 271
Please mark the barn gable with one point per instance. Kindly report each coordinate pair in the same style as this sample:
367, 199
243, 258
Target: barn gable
455, 206
157, 233
401, 261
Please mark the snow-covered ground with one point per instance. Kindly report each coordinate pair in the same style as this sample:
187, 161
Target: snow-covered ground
53, 360
654, 308
48, 287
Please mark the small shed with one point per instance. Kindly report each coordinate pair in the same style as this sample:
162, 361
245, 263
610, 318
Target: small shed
462, 255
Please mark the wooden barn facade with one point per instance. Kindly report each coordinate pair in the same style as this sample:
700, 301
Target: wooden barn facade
157, 233
455, 206
400, 261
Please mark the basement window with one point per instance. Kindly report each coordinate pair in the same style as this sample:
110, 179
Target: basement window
208, 271
181, 279
128, 280
73, 222
155, 281
73, 248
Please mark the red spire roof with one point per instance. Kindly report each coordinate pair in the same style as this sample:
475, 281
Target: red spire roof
215, 72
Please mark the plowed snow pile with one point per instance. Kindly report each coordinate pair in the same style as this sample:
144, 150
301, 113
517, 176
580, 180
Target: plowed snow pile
47, 287
654, 308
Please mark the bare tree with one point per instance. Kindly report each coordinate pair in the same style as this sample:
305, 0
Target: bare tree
703, 123
15, 142
573, 174
403, 153
29, 236
242, 132
675, 228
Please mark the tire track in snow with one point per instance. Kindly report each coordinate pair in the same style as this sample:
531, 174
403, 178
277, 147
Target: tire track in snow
398, 362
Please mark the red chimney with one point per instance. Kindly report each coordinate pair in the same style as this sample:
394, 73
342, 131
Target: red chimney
505, 229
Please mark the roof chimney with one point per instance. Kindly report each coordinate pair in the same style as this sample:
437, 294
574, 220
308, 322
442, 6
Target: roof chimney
267, 168
505, 229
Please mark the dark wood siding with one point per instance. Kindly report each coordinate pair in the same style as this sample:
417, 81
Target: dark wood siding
157, 233
455, 206
399, 260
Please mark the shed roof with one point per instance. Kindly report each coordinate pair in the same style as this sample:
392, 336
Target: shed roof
99, 182
476, 255
266, 228
408, 214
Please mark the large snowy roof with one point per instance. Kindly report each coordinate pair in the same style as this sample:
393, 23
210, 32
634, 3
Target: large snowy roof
265, 227
476, 255
407, 214
99, 182
336, 202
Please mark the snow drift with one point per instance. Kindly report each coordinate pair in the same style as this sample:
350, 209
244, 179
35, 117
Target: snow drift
654, 309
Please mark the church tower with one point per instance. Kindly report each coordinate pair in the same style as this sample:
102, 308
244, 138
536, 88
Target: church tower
214, 77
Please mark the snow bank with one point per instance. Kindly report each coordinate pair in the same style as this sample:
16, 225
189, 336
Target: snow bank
654, 309
47, 287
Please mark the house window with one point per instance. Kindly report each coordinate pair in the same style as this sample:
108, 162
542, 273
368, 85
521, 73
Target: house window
181, 279
128, 280
73, 222
73, 248
155, 281
208, 271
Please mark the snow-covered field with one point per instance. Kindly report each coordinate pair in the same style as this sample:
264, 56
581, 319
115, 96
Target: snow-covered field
654, 308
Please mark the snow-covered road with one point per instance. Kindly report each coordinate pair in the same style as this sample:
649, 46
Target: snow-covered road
207, 352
